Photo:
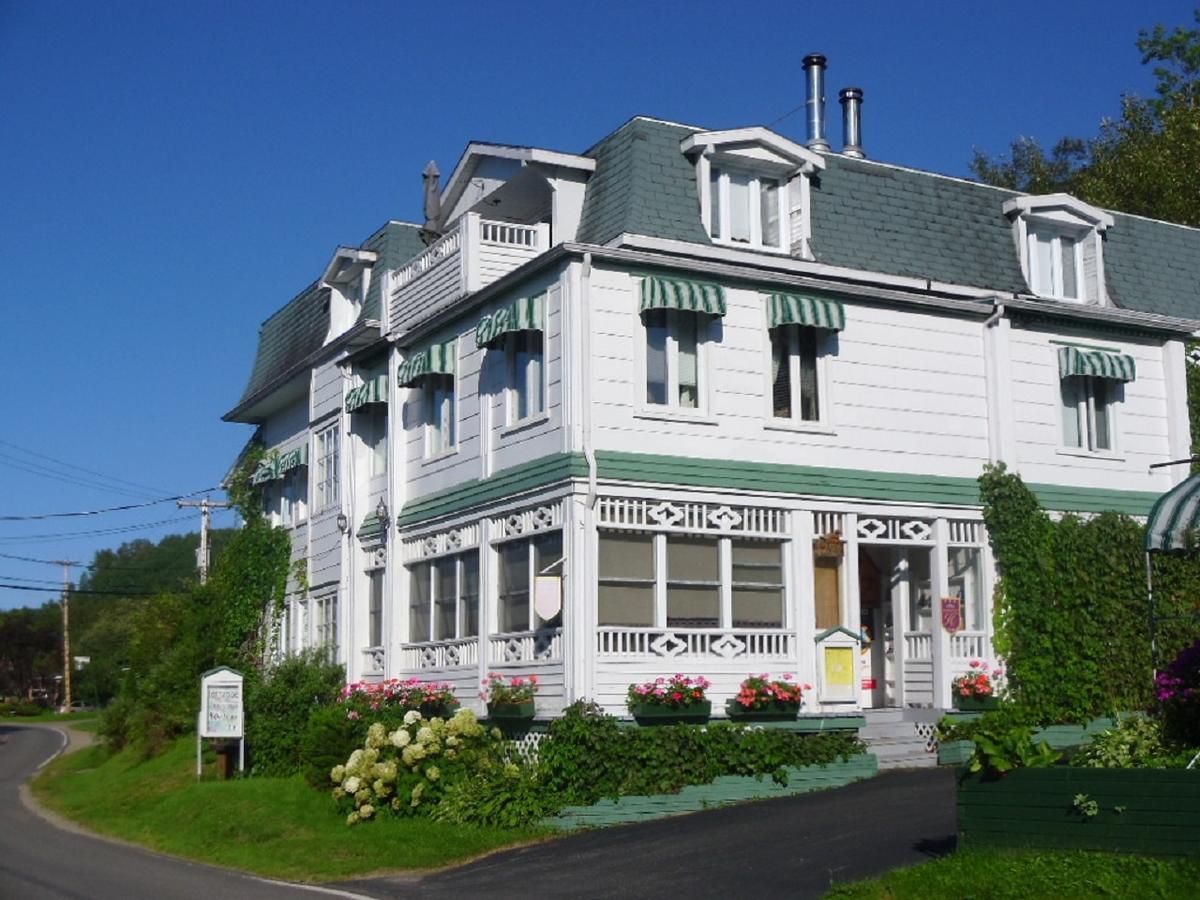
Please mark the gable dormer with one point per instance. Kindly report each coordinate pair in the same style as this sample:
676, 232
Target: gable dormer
753, 188
347, 278
1061, 244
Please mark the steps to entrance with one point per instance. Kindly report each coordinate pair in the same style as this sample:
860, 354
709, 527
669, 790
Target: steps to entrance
901, 738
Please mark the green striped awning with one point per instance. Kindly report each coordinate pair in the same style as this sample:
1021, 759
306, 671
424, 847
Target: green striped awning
370, 528
1175, 519
277, 465
796, 309
678, 293
437, 359
373, 390
1098, 363
526, 314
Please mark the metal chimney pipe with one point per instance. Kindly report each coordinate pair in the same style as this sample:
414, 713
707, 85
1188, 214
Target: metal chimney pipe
851, 99
814, 68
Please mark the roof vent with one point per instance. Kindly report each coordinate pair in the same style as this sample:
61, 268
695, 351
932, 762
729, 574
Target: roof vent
814, 68
851, 99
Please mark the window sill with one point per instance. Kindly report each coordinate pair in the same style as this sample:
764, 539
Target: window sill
441, 456
799, 427
1106, 455
668, 414
524, 424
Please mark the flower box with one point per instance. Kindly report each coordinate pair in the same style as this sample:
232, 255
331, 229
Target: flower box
440, 710
657, 714
975, 704
774, 711
512, 712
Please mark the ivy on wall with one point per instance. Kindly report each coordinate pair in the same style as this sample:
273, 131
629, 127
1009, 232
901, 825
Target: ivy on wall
1071, 610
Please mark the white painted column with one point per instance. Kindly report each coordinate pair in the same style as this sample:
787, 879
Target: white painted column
1002, 444
489, 585
852, 602
469, 252
802, 596
941, 638
1178, 428
901, 586
579, 605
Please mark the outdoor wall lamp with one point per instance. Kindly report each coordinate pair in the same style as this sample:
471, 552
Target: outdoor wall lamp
342, 522
381, 513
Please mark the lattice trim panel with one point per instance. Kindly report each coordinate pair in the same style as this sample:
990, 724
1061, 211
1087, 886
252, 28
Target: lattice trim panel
375, 558
711, 518
527, 521
962, 532
444, 542
892, 529
927, 731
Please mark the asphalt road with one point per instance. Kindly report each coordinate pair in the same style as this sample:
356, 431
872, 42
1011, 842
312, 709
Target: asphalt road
791, 847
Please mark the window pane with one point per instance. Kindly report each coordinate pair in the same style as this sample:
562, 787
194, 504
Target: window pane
739, 207
757, 584
1074, 426
810, 406
1041, 251
378, 440
418, 604
445, 597
1070, 282
548, 550
528, 374
469, 594
714, 186
626, 595
514, 586
769, 211
781, 374
965, 573
656, 356
686, 327
1102, 398
693, 582
827, 591
375, 608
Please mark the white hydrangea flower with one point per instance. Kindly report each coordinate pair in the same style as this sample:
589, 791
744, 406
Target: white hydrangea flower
352, 784
338, 774
412, 716
433, 773
424, 734
352, 819
366, 811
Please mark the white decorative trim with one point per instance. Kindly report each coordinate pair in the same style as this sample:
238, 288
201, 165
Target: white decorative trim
632, 513
522, 522
376, 558
894, 530
441, 543
623, 642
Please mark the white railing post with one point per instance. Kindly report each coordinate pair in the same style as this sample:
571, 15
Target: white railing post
941, 638
469, 251
543, 238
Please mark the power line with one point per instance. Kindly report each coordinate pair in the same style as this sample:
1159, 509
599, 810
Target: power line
41, 472
109, 509
73, 592
46, 457
74, 535
32, 580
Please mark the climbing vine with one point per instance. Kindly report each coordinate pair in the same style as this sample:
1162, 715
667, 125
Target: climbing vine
1072, 614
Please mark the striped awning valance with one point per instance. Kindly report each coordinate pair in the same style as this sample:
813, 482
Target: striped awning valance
1175, 518
372, 390
679, 293
526, 314
1098, 363
437, 359
796, 309
277, 465
371, 528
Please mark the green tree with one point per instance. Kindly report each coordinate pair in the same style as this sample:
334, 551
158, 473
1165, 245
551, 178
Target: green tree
30, 649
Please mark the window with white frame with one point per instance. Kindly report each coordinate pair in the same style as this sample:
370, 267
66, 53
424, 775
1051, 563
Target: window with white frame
375, 608
326, 625
526, 376
328, 451
520, 562
1061, 244
294, 507
440, 414
964, 568
690, 581
371, 424
1087, 412
1055, 262
443, 599
674, 348
746, 207
795, 373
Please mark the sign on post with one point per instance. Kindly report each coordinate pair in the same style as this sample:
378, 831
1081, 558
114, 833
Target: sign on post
222, 714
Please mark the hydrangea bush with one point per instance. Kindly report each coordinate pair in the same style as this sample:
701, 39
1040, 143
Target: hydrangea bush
406, 771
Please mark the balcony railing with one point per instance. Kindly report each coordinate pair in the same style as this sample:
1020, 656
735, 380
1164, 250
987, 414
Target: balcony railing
968, 645
918, 645
452, 654
694, 643
465, 259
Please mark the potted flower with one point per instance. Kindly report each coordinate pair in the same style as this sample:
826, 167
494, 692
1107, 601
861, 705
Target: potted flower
669, 701
510, 699
762, 699
977, 689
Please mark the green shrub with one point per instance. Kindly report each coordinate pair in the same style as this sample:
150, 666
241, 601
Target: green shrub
327, 741
1002, 746
114, 722
498, 796
1136, 743
1010, 715
589, 755
278, 707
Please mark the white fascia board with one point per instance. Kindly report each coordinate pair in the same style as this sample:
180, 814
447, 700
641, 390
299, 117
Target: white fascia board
1032, 204
362, 258
712, 141
477, 150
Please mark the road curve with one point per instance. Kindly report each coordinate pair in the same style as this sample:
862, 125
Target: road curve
39, 860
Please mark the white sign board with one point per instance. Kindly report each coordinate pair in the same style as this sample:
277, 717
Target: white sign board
221, 714
547, 596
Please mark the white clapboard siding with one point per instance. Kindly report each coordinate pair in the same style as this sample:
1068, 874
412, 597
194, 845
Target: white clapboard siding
918, 682
613, 678
287, 426
328, 388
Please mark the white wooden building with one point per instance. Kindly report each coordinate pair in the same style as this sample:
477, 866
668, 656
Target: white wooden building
732, 389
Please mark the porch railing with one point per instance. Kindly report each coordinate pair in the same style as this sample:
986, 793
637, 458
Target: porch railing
373, 660
451, 654
968, 645
918, 645
525, 646
694, 643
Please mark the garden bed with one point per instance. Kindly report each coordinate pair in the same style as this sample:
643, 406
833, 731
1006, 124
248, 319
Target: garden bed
1154, 811
723, 790
1059, 737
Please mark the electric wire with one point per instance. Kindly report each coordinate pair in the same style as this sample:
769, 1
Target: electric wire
109, 509
76, 535
62, 478
74, 593
42, 456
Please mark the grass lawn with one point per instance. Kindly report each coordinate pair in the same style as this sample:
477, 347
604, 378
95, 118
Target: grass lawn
271, 826
50, 717
1022, 874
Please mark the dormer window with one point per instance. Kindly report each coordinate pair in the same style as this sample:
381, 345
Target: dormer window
1060, 241
753, 187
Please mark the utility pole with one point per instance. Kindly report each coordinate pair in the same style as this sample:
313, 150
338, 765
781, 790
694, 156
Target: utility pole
66, 611
206, 507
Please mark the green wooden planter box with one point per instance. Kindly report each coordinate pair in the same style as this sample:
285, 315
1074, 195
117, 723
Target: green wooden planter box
512, 713
975, 704
1059, 737
438, 710
1139, 810
955, 753
776, 712
650, 714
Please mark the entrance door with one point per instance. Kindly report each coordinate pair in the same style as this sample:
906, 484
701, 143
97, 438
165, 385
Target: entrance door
877, 624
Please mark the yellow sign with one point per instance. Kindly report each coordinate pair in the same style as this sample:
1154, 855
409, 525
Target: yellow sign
839, 667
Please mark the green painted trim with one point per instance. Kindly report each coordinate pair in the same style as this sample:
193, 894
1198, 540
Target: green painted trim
524, 477
843, 629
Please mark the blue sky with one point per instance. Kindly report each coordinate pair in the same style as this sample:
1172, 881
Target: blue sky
170, 174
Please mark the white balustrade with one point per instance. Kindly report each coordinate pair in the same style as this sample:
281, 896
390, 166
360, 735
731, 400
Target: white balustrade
509, 235
373, 660
968, 645
525, 646
453, 654
694, 643
918, 645
443, 248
